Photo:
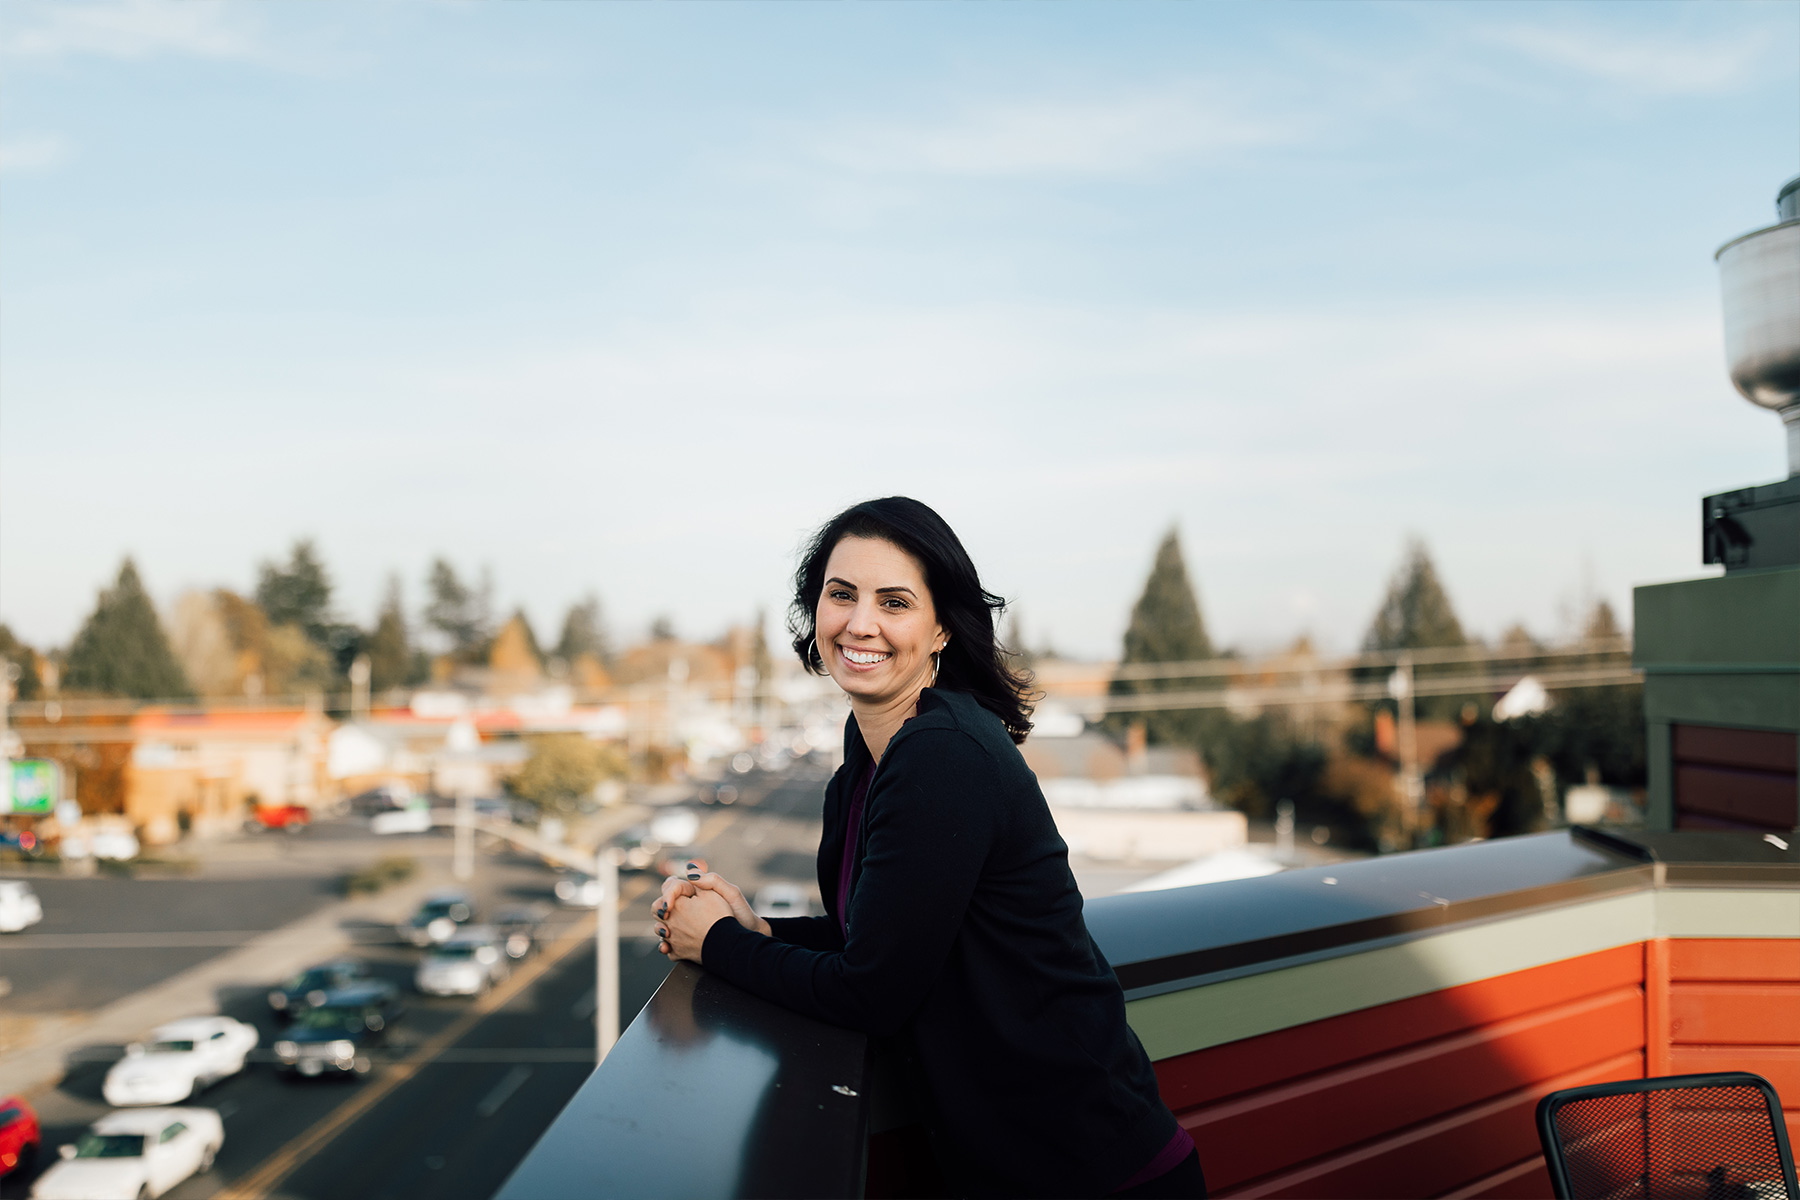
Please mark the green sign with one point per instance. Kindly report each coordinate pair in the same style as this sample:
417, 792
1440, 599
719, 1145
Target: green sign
34, 785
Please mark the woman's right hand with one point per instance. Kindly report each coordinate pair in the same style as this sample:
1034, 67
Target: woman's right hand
697, 876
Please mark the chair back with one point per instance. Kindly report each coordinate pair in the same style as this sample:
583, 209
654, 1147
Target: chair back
1680, 1137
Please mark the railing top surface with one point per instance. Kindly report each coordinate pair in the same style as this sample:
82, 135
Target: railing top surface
711, 1092
1185, 936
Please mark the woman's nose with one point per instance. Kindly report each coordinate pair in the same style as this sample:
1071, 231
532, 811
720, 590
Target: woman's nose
863, 622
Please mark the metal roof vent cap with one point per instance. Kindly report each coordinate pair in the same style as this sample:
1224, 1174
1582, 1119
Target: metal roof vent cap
1759, 276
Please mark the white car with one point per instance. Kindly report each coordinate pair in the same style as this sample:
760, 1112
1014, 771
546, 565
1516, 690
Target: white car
413, 819
180, 1059
466, 965
132, 1154
19, 906
781, 900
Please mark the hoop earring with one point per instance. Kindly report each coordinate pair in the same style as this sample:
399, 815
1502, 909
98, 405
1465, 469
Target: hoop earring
816, 658
936, 659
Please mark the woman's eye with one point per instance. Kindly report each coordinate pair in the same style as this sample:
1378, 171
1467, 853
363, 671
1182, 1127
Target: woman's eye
842, 595
895, 602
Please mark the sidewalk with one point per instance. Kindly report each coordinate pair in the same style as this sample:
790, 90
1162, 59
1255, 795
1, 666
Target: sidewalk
262, 960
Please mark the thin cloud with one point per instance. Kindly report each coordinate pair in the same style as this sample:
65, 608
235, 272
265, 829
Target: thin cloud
129, 29
1057, 137
28, 155
1664, 66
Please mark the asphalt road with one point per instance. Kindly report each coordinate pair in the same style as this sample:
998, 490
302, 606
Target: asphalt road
464, 1088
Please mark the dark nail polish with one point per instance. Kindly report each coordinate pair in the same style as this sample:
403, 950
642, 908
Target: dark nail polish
693, 877
693, 866
662, 933
662, 910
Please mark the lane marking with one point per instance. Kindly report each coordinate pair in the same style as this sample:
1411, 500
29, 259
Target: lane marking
284, 1162
490, 1104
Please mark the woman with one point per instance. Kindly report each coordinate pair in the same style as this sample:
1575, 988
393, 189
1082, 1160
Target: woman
953, 923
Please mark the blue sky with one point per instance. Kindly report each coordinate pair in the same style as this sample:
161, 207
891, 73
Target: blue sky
626, 297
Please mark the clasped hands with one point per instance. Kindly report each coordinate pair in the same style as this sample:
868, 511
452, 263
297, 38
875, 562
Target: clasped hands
691, 903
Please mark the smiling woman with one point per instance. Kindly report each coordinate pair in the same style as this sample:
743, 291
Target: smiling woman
953, 926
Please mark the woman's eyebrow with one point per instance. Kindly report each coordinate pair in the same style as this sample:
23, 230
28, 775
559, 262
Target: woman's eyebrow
907, 590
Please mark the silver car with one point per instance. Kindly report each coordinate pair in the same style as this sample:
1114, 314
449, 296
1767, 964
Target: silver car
470, 963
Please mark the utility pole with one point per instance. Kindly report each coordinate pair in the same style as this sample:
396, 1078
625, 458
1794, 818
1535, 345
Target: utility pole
606, 953
465, 835
1412, 787
359, 687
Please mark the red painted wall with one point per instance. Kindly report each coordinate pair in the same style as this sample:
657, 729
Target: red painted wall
1433, 1096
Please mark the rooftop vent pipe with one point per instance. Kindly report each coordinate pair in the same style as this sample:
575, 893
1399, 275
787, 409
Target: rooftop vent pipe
1759, 274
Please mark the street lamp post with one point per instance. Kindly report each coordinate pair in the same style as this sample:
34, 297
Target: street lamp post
606, 953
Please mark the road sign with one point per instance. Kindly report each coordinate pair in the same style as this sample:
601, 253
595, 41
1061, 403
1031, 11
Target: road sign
31, 785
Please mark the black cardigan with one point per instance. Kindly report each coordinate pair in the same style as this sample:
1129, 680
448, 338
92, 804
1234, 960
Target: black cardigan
966, 940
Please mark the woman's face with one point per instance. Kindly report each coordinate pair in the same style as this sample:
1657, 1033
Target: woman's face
877, 627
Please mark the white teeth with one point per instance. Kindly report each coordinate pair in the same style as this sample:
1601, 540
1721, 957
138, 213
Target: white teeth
864, 658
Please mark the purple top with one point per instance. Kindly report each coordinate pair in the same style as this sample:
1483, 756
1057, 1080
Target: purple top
853, 827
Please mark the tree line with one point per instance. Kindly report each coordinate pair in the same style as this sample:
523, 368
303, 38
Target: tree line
287, 637
1488, 783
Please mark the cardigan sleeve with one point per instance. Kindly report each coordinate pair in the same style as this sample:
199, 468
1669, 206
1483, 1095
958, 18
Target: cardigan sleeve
814, 933
932, 819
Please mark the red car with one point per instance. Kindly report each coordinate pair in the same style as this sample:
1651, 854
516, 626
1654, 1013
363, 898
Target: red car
19, 1136
291, 817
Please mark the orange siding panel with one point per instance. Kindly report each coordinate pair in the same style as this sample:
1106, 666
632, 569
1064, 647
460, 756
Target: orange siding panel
1321, 1114
1765, 1014
1761, 960
1436, 1157
1780, 1065
1217, 1072
1529, 1180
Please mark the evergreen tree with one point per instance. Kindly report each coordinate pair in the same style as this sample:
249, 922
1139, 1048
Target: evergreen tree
298, 593
531, 642
1602, 625
457, 611
1165, 627
122, 649
584, 632
27, 686
390, 646
1416, 613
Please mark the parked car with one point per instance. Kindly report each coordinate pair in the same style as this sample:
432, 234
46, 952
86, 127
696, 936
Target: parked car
20, 1135
385, 798
438, 917
120, 845
311, 986
781, 900
137, 1153
519, 929
467, 965
291, 818
19, 906
335, 1037
180, 1058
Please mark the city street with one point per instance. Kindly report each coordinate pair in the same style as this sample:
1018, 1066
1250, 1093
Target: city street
463, 1087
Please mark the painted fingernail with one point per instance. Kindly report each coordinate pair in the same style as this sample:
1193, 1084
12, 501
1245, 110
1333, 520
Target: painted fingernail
662, 910
693, 877
662, 933
693, 866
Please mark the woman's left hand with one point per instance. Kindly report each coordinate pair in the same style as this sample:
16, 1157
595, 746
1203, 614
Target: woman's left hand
684, 929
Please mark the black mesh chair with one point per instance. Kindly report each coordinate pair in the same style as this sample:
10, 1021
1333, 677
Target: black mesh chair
1681, 1137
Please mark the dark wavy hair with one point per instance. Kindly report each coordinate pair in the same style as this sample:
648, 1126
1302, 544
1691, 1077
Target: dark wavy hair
974, 662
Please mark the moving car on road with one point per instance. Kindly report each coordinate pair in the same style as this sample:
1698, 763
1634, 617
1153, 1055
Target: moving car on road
467, 965
291, 818
414, 818
19, 906
19, 1134
138, 1153
181, 1058
311, 986
438, 918
335, 1037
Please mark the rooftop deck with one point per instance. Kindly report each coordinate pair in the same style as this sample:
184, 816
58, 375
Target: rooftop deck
1376, 1028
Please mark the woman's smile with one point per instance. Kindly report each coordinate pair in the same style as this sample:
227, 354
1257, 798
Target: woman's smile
863, 660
